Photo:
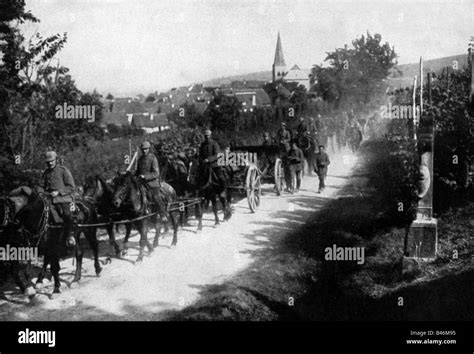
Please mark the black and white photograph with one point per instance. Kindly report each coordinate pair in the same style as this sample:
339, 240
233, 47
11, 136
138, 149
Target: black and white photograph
265, 161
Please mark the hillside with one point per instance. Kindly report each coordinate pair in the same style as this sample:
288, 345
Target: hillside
434, 65
401, 74
257, 76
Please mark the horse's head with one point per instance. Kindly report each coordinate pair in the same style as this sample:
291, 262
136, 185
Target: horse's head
93, 188
33, 216
122, 188
127, 191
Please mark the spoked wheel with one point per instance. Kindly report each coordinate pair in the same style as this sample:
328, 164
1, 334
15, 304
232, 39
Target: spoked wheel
252, 184
279, 176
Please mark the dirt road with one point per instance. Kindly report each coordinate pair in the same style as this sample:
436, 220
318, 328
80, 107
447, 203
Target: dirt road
171, 278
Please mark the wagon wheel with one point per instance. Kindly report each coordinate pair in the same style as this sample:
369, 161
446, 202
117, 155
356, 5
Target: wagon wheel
279, 176
252, 184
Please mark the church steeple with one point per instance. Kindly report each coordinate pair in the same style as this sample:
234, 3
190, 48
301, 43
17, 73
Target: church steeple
279, 66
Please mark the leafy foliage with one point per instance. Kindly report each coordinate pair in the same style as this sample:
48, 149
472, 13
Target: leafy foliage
355, 75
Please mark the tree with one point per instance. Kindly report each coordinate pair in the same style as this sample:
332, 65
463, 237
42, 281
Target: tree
223, 113
150, 98
109, 96
187, 116
32, 84
355, 75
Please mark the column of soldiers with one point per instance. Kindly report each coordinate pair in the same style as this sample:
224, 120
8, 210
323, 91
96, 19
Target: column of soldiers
293, 157
58, 181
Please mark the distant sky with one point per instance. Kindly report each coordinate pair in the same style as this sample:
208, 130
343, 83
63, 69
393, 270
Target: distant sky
130, 46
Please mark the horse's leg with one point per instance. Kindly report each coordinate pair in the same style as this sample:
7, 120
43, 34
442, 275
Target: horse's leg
54, 250
229, 201
128, 230
157, 231
186, 216
112, 241
175, 228
181, 219
55, 268
225, 206
46, 261
140, 225
15, 267
91, 236
198, 210
214, 208
79, 254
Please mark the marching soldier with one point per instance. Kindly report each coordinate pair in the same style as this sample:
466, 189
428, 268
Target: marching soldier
59, 183
284, 137
148, 171
321, 163
296, 163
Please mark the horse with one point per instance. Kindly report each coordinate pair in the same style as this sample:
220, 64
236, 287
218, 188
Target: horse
36, 224
210, 182
83, 213
176, 173
133, 197
98, 191
9, 207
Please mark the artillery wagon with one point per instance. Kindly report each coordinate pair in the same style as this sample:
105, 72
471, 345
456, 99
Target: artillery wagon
266, 168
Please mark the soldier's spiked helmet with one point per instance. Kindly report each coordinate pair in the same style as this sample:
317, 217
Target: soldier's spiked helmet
50, 156
145, 145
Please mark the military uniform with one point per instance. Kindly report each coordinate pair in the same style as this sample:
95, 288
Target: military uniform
208, 151
284, 138
296, 164
60, 179
321, 163
147, 166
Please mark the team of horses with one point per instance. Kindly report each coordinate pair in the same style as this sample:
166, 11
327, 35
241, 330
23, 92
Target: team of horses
104, 203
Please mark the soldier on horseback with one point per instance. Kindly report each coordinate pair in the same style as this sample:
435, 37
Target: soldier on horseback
149, 171
59, 183
208, 154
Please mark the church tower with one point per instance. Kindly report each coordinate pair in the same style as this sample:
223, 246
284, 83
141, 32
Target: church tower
279, 66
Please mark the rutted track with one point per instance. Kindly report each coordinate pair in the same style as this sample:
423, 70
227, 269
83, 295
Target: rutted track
170, 278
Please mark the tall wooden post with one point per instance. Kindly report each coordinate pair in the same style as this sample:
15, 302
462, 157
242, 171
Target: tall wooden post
429, 87
422, 240
421, 86
472, 73
415, 117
